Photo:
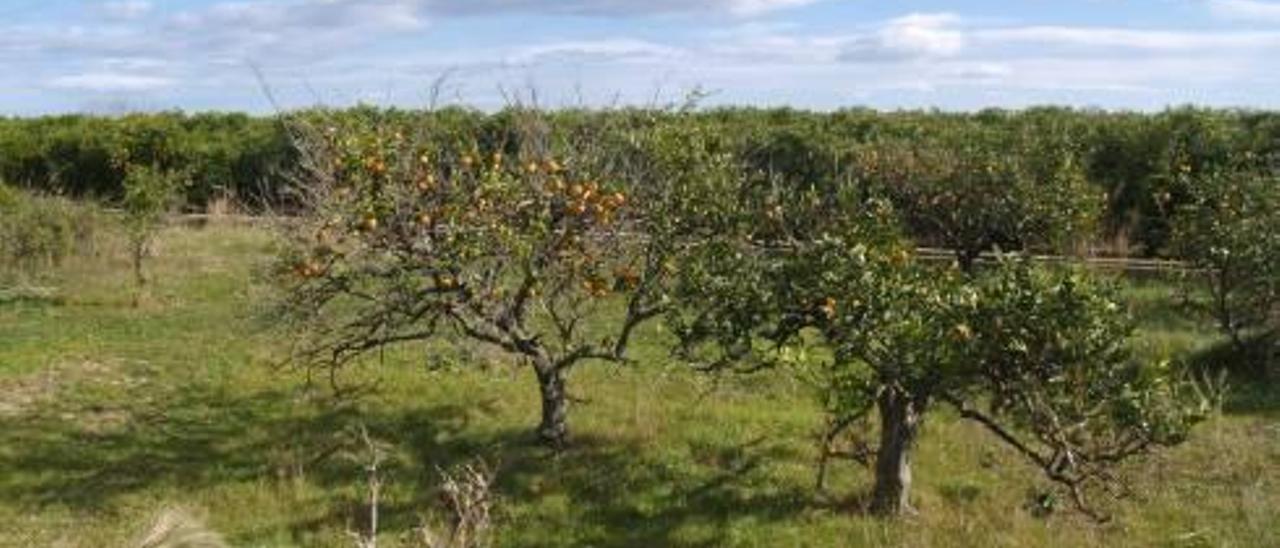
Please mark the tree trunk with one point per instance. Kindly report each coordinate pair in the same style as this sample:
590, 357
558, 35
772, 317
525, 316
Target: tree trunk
967, 258
139, 276
553, 431
899, 422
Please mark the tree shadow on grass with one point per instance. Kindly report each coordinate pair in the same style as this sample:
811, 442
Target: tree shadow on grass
619, 492
191, 438
1253, 373
625, 494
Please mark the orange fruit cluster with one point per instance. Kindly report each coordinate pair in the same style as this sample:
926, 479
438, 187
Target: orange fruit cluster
375, 166
586, 199
626, 277
828, 308
445, 281
595, 286
426, 182
308, 269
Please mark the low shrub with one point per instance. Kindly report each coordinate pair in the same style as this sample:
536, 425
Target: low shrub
38, 233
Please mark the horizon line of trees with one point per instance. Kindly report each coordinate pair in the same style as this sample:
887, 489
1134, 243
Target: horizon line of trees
1125, 159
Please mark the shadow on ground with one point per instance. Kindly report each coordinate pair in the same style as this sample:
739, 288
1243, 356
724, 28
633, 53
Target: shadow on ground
1253, 381
620, 493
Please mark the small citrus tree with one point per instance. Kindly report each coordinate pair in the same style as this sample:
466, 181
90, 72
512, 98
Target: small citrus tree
524, 238
1228, 227
150, 193
1038, 357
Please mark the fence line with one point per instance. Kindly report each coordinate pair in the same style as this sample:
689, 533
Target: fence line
1129, 264
932, 254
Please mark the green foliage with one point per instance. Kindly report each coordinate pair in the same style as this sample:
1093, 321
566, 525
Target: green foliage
38, 233
80, 155
517, 239
974, 188
1038, 356
150, 193
1124, 157
1050, 351
185, 394
1229, 230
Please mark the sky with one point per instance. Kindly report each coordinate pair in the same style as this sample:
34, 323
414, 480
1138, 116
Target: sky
112, 56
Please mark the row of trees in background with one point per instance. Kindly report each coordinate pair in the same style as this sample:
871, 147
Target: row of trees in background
87, 156
1120, 159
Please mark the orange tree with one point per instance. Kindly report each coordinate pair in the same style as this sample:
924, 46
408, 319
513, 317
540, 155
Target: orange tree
1227, 226
147, 151
150, 193
1038, 357
507, 233
974, 188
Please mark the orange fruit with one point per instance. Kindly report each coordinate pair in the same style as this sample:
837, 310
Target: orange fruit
829, 308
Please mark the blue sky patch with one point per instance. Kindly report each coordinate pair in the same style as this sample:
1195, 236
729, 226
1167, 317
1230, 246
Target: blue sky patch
122, 55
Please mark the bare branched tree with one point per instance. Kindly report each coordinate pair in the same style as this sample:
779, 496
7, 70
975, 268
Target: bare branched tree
515, 230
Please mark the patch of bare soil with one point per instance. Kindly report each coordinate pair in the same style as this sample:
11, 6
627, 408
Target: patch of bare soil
58, 391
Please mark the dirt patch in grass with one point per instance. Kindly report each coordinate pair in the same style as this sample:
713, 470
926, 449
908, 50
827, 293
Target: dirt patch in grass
57, 391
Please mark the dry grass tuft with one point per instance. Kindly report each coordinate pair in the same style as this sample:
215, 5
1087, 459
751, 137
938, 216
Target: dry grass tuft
466, 494
178, 528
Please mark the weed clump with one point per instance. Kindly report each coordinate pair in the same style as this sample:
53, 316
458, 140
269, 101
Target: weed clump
38, 233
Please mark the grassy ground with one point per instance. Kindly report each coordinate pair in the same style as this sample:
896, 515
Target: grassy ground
109, 414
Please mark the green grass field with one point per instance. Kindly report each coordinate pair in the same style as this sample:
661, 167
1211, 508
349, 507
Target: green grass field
110, 414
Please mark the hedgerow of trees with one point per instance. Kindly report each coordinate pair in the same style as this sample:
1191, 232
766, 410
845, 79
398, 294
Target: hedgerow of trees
1123, 156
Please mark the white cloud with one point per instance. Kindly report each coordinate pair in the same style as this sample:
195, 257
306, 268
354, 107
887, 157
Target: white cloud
340, 50
934, 36
304, 15
915, 36
757, 7
110, 82
127, 9
134, 63
612, 8
599, 50
980, 71
948, 54
780, 48
1110, 38
1246, 10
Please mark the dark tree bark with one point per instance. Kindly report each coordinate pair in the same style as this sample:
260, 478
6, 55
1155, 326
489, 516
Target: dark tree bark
899, 425
967, 258
553, 431
138, 252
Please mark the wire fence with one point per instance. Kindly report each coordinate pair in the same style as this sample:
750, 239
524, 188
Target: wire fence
931, 254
